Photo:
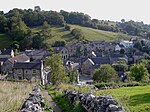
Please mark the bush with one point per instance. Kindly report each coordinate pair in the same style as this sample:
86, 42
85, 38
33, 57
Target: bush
117, 85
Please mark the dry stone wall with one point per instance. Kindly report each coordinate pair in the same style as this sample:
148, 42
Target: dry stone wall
92, 103
35, 102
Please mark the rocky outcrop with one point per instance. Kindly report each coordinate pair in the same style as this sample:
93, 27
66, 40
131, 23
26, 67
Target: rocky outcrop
35, 102
93, 103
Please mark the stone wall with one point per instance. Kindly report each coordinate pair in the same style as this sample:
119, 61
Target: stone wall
35, 102
92, 103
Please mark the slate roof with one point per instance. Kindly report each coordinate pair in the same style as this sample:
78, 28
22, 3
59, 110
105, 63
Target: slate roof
3, 59
6, 52
40, 52
27, 65
139, 54
19, 58
101, 60
58, 49
117, 55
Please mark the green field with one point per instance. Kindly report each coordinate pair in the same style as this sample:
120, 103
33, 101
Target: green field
94, 34
135, 99
4, 41
59, 33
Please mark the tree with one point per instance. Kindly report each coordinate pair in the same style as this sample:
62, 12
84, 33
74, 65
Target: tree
58, 74
72, 74
120, 64
106, 73
77, 33
37, 42
59, 44
123, 20
139, 72
67, 27
122, 51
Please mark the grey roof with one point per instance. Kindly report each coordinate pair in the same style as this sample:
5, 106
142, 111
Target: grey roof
101, 60
121, 46
40, 52
6, 52
27, 65
139, 54
3, 59
19, 58
117, 55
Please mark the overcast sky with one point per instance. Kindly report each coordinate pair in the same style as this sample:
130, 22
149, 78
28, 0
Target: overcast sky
138, 10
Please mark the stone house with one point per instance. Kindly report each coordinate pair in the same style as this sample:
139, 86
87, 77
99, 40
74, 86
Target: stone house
118, 47
88, 65
63, 51
100, 45
32, 71
36, 54
127, 44
8, 65
6, 53
139, 55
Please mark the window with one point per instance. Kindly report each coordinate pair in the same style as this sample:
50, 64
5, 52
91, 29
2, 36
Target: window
34, 71
19, 77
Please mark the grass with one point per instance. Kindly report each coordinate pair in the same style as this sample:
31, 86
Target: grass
59, 33
13, 94
136, 99
4, 41
63, 102
94, 34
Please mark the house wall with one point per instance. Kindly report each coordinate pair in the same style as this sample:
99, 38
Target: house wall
29, 74
86, 68
64, 53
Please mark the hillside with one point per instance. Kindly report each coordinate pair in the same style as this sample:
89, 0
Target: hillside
59, 33
94, 34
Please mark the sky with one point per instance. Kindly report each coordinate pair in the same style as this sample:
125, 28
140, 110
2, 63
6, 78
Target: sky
115, 10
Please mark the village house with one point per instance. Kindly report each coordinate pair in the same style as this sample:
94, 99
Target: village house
37, 54
88, 65
9, 63
6, 53
118, 47
139, 55
63, 51
32, 71
127, 44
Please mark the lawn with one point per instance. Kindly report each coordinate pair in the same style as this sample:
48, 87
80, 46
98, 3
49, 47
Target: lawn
4, 41
136, 99
12, 95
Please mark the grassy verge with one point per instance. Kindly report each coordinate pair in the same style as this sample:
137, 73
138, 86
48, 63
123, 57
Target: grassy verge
136, 99
13, 94
62, 102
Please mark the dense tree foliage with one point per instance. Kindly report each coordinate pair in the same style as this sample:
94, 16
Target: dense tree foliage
58, 74
139, 72
105, 73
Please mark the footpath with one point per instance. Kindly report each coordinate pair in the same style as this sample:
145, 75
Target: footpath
49, 98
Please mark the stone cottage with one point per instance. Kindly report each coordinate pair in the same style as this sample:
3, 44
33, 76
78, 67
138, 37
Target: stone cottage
32, 71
